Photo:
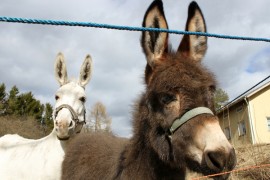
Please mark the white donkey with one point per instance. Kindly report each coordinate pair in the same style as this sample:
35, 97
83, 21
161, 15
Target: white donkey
22, 158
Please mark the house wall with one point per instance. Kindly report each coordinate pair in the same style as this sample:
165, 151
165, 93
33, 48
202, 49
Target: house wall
260, 110
231, 118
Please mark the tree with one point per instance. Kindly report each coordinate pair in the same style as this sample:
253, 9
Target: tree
12, 100
3, 99
36, 109
220, 98
99, 119
27, 105
48, 119
24, 104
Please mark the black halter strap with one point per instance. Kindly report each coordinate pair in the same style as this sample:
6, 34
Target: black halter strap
73, 114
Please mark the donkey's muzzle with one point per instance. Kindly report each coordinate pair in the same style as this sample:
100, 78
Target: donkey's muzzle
220, 161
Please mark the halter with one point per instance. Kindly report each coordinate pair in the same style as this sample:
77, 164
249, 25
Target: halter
73, 114
187, 116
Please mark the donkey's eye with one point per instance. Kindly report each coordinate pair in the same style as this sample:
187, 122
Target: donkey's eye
167, 98
82, 99
56, 97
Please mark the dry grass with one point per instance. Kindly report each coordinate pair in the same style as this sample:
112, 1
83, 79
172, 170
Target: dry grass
258, 155
24, 126
246, 156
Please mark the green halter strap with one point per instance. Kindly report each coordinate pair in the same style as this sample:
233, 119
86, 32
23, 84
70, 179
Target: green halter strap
189, 115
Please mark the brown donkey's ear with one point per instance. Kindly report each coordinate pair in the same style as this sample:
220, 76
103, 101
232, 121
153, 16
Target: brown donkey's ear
194, 46
154, 44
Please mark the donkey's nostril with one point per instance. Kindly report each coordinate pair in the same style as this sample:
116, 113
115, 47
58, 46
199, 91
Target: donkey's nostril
70, 124
56, 123
215, 160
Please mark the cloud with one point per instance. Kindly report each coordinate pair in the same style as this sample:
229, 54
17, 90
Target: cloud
260, 61
27, 52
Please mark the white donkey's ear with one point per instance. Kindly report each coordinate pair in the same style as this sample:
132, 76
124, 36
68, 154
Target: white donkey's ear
86, 71
60, 69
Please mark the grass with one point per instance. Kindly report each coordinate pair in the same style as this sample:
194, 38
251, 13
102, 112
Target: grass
257, 155
248, 157
27, 127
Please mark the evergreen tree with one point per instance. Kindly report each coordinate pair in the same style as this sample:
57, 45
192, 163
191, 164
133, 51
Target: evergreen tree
12, 100
220, 98
24, 104
3, 99
48, 119
27, 105
36, 110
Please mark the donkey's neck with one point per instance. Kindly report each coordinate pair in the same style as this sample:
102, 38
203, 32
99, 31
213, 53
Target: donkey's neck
53, 137
140, 157
142, 160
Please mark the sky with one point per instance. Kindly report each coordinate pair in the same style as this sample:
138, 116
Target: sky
28, 52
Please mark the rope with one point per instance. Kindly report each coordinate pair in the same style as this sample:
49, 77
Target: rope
233, 171
127, 28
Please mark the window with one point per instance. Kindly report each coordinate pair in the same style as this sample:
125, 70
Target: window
225, 115
241, 128
239, 109
227, 133
268, 123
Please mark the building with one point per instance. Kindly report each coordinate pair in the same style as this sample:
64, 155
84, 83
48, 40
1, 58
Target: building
246, 120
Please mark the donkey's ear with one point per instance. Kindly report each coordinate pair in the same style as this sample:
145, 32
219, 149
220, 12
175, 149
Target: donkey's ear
194, 46
60, 69
86, 71
154, 44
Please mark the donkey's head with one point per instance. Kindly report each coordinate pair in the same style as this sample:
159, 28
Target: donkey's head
69, 112
184, 130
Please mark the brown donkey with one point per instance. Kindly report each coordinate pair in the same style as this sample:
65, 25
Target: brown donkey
174, 127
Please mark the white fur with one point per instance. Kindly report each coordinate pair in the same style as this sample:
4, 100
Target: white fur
41, 159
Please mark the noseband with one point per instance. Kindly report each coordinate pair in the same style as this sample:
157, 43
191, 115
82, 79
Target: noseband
74, 115
187, 116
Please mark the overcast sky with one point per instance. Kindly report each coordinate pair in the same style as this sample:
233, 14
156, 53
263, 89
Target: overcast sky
27, 52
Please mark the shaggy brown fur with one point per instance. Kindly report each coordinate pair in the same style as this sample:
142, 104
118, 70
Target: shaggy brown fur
175, 83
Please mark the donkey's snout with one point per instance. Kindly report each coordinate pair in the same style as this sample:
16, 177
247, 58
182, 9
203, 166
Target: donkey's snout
220, 160
71, 124
64, 124
215, 160
232, 160
60, 124
64, 128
